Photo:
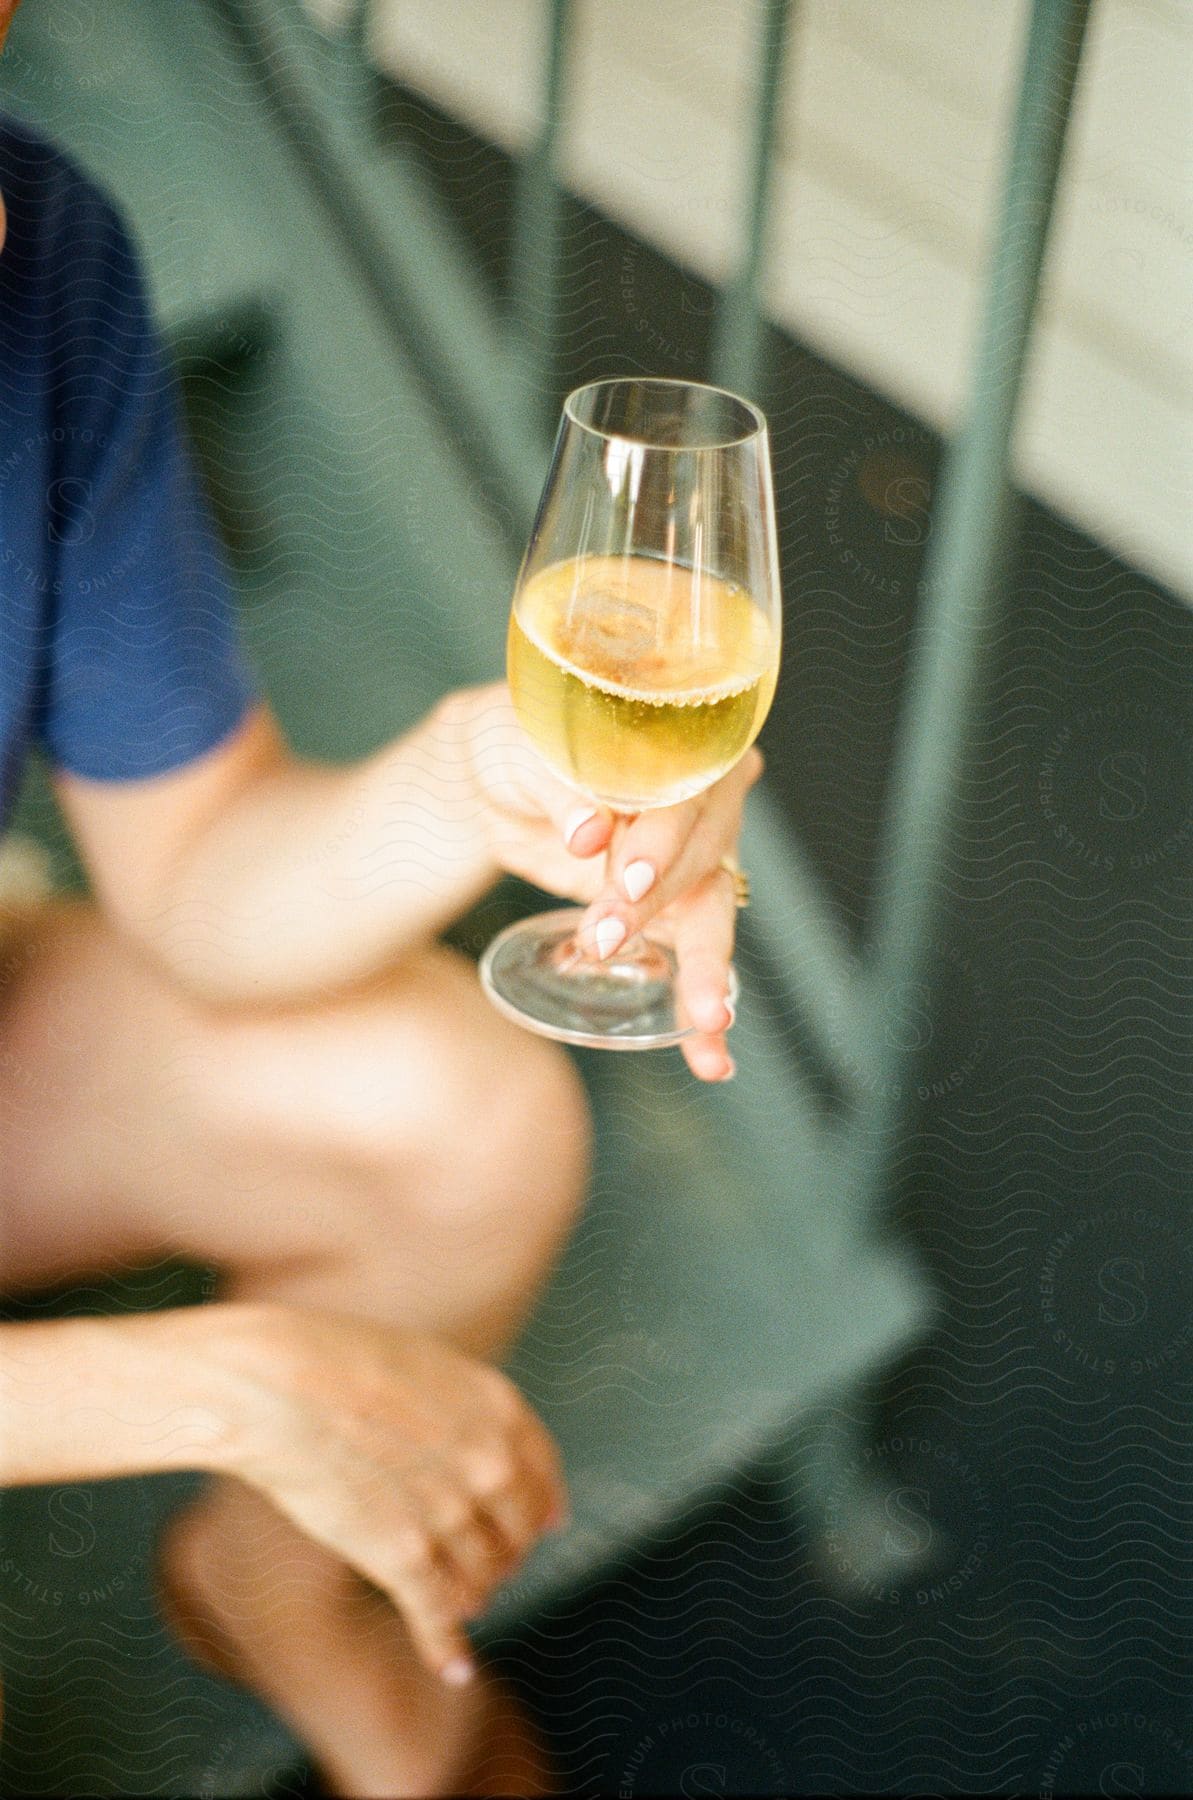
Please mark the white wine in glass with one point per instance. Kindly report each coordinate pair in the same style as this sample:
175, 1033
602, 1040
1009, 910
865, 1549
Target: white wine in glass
643, 655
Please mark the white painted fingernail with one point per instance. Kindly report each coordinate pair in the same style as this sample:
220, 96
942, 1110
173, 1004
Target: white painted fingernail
578, 816
732, 1011
458, 1672
638, 879
609, 934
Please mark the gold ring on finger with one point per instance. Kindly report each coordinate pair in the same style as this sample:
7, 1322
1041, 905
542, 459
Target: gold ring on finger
740, 880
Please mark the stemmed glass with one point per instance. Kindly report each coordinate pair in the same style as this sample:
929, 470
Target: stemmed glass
643, 655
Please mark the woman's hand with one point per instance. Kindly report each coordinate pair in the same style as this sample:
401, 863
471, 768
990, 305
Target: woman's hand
421, 1467
663, 864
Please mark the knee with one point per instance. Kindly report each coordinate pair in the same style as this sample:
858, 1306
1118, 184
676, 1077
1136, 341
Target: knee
418, 1095
499, 1139
533, 1124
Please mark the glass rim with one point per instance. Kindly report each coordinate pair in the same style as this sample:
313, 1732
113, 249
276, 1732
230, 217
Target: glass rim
758, 429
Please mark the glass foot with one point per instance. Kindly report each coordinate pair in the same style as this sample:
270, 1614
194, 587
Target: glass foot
535, 975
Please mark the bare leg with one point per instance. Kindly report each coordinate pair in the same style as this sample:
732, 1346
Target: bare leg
398, 1152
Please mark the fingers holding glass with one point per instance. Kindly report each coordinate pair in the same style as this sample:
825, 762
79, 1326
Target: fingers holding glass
658, 856
704, 926
643, 654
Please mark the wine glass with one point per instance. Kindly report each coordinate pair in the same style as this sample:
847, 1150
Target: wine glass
643, 655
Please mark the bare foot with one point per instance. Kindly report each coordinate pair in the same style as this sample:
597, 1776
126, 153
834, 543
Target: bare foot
254, 1601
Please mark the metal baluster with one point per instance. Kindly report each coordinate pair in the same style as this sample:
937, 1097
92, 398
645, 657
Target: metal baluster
392, 227
737, 345
965, 561
537, 236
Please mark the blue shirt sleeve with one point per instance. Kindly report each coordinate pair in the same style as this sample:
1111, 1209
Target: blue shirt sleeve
140, 671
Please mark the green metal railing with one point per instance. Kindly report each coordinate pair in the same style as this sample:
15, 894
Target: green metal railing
500, 383
844, 1007
738, 343
962, 584
537, 246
